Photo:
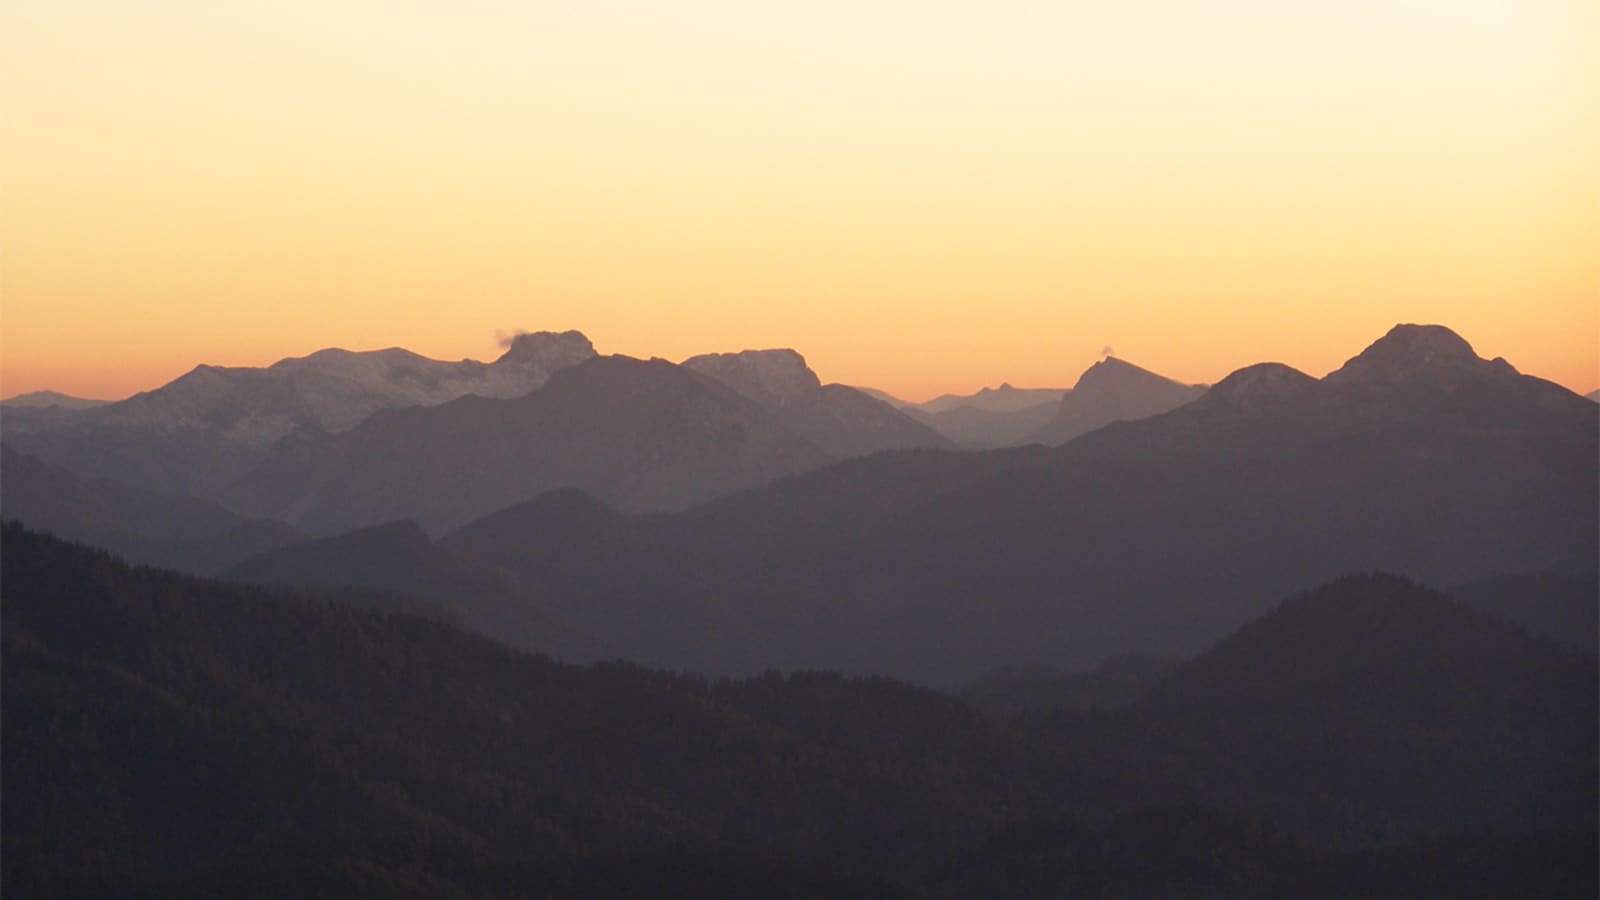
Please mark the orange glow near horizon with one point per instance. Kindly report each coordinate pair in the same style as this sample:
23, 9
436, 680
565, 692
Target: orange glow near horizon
920, 197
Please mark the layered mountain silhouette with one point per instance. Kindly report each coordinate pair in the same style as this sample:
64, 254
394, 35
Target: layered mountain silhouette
1150, 536
1002, 399
992, 417
843, 421
639, 435
171, 736
45, 399
1154, 536
182, 533
398, 558
209, 427
976, 428
1108, 391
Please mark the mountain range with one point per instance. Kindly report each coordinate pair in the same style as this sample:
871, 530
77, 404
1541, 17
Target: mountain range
609, 627
202, 431
1108, 391
340, 440
1154, 536
733, 512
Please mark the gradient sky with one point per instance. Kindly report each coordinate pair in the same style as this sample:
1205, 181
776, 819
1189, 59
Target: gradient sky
919, 196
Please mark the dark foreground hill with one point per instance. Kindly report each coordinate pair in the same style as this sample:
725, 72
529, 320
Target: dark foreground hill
170, 737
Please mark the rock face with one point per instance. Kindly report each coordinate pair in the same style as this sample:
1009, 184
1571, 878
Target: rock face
210, 426
1109, 391
769, 377
843, 421
638, 435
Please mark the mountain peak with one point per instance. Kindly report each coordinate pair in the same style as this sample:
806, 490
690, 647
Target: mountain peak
1409, 350
770, 377
548, 350
1114, 374
45, 399
1260, 385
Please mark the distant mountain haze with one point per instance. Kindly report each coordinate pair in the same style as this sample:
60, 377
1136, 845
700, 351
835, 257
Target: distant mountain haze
885, 397
207, 428
1153, 536
976, 428
992, 417
398, 558
841, 420
704, 516
1108, 391
51, 398
183, 533
638, 435
1002, 399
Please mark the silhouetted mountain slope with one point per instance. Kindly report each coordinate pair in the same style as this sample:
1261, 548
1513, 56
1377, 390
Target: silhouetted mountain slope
180, 533
1374, 690
1109, 391
159, 732
671, 589
172, 737
204, 429
841, 420
1560, 607
979, 428
638, 435
1003, 399
847, 423
885, 397
1155, 536
769, 377
399, 558
46, 399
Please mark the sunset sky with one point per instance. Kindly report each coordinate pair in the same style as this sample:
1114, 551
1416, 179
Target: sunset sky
919, 196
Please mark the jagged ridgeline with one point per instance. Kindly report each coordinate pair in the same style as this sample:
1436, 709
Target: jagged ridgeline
699, 516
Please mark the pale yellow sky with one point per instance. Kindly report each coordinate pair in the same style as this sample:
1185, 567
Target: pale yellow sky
919, 196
